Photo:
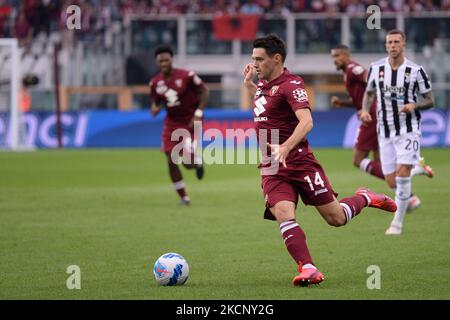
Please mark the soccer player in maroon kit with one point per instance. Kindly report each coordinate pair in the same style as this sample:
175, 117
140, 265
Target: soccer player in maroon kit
184, 95
355, 79
355, 83
281, 107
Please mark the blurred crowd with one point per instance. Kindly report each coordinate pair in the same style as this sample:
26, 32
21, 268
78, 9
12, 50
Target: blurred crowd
25, 19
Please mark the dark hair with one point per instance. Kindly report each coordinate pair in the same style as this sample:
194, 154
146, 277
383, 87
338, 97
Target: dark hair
273, 44
341, 47
396, 31
164, 49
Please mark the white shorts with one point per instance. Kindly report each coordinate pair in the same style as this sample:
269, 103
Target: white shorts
402, 149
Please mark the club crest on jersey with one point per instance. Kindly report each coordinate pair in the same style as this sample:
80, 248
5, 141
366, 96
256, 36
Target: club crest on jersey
407, 77
179, 83
381, 76
274, 90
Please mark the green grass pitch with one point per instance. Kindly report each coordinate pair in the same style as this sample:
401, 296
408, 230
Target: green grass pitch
113, 213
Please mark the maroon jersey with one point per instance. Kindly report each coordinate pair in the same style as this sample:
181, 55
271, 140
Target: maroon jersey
355, 82
275, 104
179, 94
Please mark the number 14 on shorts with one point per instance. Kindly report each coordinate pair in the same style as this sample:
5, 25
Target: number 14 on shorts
318, 181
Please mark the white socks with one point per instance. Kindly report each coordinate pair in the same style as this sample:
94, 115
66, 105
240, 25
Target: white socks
179, 185
402, 194
364, 164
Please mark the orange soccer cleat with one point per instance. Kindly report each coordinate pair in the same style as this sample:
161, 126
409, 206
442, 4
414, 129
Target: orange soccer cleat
378, 200
428, 171
307, 276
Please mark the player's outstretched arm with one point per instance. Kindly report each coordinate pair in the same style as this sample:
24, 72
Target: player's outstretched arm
248, 79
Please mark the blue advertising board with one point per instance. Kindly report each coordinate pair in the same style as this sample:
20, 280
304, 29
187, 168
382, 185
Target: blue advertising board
110, 129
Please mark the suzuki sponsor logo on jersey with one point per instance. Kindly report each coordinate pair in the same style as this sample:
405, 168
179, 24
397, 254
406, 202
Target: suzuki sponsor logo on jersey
259, 119
297, 82
172, 98
259, 106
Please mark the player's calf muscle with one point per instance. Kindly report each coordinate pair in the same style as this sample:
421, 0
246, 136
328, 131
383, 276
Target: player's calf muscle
332, 213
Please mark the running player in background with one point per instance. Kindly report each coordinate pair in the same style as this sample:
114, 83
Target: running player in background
281, 109
184, 95
396, 81
355, 77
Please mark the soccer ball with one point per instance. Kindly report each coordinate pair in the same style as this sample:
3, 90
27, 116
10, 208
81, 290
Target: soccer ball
171, 269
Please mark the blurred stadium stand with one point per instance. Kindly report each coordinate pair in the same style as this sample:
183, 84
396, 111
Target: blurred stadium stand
108, 62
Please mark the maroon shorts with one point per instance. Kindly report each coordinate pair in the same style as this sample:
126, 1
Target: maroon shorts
307, 180
367, 137
166, 142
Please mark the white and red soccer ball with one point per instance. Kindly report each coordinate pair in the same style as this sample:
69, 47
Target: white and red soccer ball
171, 269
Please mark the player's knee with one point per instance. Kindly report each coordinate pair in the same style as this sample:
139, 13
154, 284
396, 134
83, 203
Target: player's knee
356, 162
283, 213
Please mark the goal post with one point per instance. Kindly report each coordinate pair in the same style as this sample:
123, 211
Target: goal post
14, 135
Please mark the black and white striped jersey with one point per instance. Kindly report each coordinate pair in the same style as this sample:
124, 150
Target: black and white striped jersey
395, 88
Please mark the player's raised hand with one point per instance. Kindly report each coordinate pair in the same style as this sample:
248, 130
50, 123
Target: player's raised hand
365, 117
280, 153
335, 102
408, 108
248, 72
